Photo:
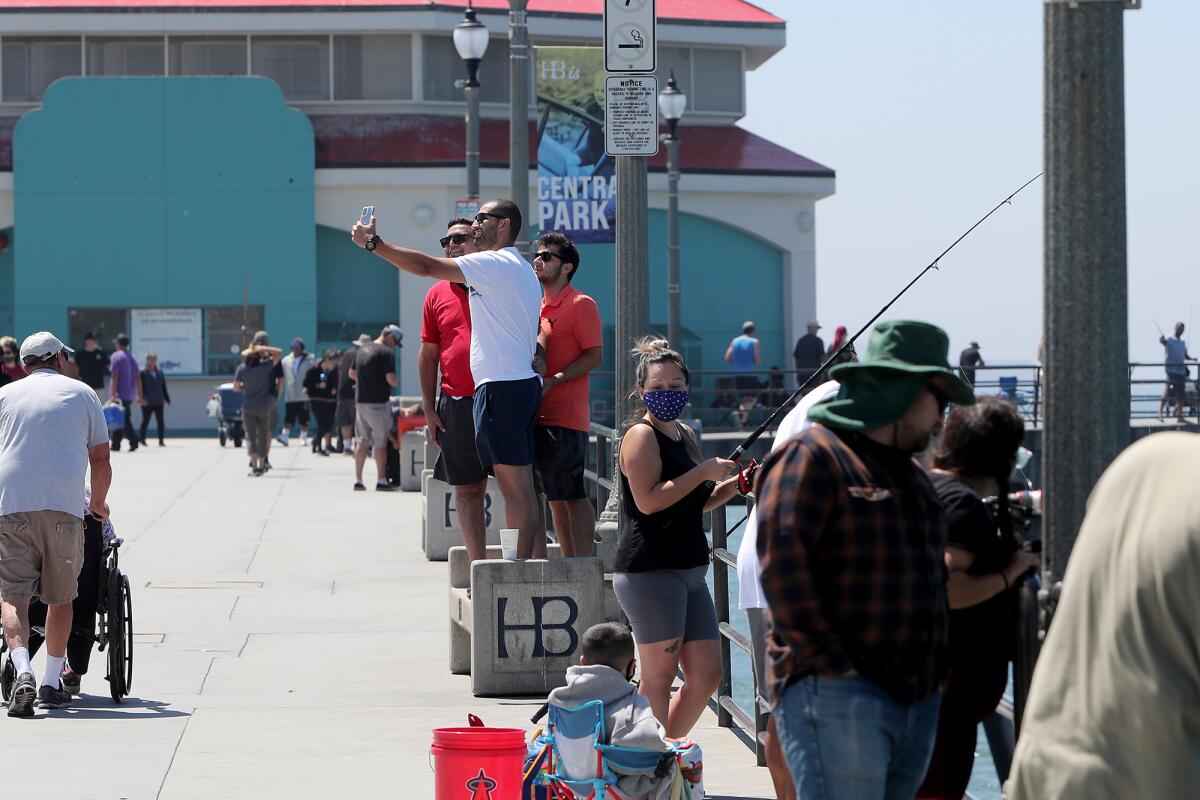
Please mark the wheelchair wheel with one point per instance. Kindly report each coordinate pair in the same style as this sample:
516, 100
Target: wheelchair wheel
221, 436
120, 637
8, 676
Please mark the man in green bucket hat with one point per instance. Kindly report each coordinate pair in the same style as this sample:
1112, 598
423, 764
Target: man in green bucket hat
851, 542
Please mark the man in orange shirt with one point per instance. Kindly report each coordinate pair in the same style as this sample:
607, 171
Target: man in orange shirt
571, 333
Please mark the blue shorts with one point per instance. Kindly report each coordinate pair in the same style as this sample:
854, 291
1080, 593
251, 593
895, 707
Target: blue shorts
504, 415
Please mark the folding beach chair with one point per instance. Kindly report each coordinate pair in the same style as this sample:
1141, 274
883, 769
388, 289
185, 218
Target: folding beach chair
581, 765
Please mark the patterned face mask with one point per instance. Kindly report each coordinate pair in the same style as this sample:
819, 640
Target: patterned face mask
666, 404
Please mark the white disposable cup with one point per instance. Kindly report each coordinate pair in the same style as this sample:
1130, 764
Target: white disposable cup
508, 543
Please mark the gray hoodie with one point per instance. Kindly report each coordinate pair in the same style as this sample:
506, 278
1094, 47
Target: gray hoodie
628, 720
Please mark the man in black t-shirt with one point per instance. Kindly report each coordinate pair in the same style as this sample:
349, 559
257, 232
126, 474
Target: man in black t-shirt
809, 353
92, 363
374, 372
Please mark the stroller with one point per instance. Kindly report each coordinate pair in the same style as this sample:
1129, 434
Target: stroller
225, 406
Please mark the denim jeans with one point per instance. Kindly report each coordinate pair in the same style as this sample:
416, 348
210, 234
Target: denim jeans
847, 739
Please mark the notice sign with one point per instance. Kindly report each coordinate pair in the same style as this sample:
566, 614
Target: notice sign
631, 115
175, 334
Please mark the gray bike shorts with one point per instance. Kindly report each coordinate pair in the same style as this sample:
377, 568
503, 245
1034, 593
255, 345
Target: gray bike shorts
668, 604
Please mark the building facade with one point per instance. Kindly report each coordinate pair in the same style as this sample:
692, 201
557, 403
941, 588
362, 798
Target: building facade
200, 164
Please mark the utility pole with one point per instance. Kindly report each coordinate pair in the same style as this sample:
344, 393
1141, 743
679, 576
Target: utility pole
633, 274
1085, 301
518, 116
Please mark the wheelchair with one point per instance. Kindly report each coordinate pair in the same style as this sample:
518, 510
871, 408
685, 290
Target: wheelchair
113, 611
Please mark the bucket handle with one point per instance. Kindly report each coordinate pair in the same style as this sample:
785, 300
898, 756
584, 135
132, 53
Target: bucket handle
429, 759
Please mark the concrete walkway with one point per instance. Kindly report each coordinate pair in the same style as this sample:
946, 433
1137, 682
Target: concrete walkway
292, 642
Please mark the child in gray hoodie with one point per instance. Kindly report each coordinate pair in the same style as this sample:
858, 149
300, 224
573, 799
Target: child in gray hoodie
606, 666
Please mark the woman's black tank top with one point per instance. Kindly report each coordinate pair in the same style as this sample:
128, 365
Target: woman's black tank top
674, 537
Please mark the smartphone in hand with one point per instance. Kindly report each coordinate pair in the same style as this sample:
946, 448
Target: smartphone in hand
367, 213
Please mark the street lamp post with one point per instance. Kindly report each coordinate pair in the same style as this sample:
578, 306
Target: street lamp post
471, 41
671, 103
518, 114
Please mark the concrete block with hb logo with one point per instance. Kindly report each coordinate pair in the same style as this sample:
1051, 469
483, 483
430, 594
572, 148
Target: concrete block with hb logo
412, 460
440, 524
523, 621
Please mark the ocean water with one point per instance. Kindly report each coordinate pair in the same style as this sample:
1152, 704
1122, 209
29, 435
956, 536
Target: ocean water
984, 783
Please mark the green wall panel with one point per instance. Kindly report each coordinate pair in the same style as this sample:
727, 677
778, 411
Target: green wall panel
165, 191
354, 294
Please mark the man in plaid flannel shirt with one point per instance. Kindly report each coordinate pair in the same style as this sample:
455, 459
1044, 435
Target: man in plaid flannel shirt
851, 539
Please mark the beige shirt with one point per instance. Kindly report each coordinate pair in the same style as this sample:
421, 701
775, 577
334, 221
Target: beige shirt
1114, 709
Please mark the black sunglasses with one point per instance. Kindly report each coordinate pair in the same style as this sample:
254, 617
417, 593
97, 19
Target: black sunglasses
456, 238
546, 255
943, 399
483, 215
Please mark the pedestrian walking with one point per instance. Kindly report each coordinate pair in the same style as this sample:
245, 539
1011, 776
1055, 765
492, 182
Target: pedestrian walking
573, 338
839, 338
744, 355
1177, 356
154, 390
320, 387
851, 536
10, 359
973, 458
92, 362
809, 353
52, 431
295, 366
505, 300
260, 378
374, 373
968, 360
344, 416
125, 389
1112, 711
446, 349
662, 553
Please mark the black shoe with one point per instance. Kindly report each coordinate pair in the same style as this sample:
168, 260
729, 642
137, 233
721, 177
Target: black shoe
384, 487
24, 692
53, 697
358, 486
71, 681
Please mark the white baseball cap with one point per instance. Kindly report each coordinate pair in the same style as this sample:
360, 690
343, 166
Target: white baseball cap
42, 344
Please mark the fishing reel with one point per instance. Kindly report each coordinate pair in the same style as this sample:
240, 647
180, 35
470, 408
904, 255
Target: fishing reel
1024, 506
745, 477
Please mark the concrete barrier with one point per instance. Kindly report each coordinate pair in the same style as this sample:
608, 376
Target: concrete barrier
412, 460
440, 529
519, 626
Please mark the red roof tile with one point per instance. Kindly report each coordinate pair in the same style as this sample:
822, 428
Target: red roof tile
720, 11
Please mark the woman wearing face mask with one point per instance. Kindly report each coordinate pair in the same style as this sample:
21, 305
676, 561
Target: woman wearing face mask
662, 556
10, 363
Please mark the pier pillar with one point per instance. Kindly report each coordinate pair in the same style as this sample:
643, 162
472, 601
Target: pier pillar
1085, 302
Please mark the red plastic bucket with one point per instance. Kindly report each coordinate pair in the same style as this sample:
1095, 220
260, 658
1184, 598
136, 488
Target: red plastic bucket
478, 763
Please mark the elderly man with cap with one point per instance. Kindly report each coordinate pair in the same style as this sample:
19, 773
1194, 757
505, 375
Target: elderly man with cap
374, 374
295, 366
51, 430
851, 539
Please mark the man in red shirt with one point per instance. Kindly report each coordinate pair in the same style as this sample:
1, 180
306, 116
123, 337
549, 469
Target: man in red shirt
446, 345
572, 335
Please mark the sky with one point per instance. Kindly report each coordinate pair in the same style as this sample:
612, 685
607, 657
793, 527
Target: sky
930, 111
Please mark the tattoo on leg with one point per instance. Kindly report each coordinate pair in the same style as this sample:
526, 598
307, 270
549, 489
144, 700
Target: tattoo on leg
674, 648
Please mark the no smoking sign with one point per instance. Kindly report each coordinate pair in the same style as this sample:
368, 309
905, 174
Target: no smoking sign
629, 36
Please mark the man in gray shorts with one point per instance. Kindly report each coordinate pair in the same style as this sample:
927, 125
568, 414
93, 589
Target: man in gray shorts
51, 429
374, 374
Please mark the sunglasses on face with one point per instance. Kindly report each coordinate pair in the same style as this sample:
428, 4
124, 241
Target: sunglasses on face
545, 255
943, 399
455, 238
482, 216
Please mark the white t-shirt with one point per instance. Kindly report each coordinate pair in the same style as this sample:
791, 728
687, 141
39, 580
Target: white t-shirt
47, 424
750, 593
506, 303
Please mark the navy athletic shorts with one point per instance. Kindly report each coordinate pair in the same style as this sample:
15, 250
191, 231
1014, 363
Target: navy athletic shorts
504, 415
560, 456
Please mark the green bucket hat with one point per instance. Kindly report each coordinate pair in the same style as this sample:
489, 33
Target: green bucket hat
902, 357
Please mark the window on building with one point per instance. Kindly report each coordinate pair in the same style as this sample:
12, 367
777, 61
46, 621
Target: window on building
227, 330
679, 61
299, 64
712, 77
124, 55
30, 64
442, 67
106, 323
207, 55
372, 67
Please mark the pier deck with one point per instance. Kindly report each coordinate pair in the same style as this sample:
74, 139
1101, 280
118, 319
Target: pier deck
292, 642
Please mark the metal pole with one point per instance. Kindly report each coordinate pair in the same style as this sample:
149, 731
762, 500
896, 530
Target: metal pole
518, 115
472, 97
1086, 393
674, 331
633, 274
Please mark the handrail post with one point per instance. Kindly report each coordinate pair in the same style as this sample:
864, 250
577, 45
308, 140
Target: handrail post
721, 590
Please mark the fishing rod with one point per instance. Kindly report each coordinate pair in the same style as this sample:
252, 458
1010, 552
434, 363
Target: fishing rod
761, 429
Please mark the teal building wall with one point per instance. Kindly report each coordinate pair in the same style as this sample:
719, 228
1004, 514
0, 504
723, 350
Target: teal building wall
159, 192
355, 292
